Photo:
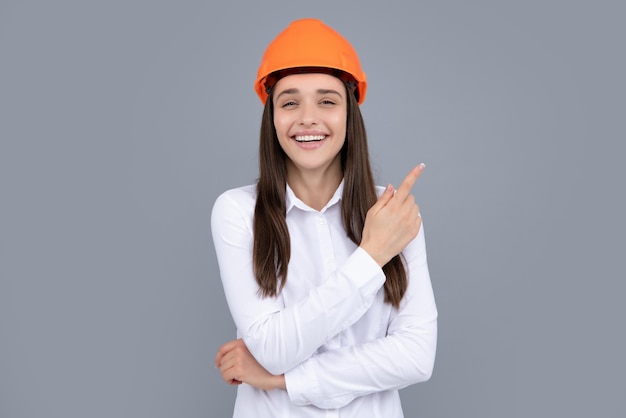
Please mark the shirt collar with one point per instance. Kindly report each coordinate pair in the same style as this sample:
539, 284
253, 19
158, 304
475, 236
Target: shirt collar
291, 200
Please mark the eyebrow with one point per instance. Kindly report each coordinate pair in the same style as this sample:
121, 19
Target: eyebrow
319, 91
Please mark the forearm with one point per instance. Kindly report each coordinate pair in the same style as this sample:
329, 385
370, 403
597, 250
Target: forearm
336, 377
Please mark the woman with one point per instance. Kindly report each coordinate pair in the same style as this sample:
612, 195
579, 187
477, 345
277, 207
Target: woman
327, 283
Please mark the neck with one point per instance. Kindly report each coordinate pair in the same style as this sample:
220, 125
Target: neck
314, 188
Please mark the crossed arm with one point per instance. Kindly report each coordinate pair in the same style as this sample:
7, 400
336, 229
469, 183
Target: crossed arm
390, 225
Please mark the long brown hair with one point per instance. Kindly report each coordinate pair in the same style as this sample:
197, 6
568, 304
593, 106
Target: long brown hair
272, 246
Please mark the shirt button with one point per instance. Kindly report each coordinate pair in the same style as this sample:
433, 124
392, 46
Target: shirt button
321, 220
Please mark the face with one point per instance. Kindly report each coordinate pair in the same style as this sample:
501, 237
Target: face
310, 112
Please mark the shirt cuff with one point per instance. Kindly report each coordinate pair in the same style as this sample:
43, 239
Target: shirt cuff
369, 276
302, 385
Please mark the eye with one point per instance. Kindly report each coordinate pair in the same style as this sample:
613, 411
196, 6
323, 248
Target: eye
327, 102
288, 103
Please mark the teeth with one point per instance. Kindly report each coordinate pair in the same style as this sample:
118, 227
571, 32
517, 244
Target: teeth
309, 138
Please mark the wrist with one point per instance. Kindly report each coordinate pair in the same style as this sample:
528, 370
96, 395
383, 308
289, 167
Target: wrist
376, 256
279, 382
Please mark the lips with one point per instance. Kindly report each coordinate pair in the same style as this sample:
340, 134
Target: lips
309, 138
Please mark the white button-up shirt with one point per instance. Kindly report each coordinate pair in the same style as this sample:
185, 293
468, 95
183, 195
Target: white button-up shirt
344, 352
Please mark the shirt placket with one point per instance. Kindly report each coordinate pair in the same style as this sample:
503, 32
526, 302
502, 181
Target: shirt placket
326, 245
329, 263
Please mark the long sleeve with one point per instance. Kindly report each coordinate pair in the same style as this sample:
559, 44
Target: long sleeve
281, 337
405, 355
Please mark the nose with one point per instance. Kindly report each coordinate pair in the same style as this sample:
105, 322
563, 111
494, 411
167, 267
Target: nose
308, 115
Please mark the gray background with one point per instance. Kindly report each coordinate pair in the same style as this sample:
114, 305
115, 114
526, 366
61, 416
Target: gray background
121, 122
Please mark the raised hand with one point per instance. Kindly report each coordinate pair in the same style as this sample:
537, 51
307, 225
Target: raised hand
393, 221
238, 366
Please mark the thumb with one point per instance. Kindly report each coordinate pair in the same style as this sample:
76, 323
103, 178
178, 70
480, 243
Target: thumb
383, 199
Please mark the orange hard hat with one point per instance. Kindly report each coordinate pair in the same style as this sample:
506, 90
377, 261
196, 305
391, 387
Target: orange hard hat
310, 46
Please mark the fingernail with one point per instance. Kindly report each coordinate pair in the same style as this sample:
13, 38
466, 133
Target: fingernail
422, 165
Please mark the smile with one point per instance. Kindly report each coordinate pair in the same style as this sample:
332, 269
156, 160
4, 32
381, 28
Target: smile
309, 138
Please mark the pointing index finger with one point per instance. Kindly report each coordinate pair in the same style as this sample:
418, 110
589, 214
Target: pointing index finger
405, 188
